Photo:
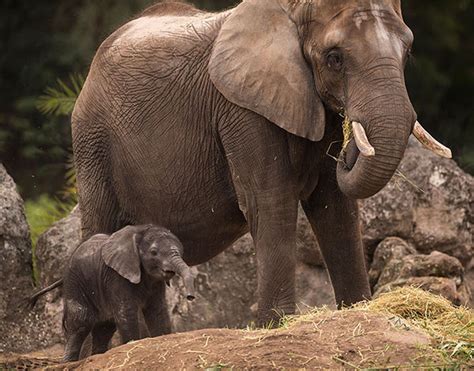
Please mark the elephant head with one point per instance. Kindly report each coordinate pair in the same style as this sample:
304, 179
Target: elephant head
290, 60
150, 248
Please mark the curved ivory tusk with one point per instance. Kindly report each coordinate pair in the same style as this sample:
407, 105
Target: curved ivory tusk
429, 142
361, 140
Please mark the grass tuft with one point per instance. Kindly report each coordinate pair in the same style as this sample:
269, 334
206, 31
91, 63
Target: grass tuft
452, 328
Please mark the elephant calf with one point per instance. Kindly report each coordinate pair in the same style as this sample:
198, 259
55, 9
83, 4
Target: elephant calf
109, 279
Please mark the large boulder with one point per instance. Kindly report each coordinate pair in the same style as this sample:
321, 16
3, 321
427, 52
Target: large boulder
392, 248
397, 264
15, 244
19, 329
52, 251
428, 203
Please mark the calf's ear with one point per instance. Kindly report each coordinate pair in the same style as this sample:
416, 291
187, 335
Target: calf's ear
120, 252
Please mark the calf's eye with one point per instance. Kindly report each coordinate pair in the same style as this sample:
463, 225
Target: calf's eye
153, 252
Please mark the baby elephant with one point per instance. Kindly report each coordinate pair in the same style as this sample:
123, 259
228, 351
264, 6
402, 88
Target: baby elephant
109, 279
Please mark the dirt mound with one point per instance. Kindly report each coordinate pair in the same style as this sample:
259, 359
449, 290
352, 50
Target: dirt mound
406, 328
332, 340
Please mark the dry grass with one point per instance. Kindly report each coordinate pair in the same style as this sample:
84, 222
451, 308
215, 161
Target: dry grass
346, 132
451, 328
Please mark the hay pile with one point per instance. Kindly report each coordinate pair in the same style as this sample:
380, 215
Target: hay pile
451, 328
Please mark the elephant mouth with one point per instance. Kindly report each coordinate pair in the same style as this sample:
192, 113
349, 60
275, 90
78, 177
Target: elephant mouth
358, 144
366, 164
350, 155
167, 275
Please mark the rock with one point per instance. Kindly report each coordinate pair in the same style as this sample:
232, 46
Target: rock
20, 329
392, 248
52, 251
431, 211
429, 204
225, 286
313, 288
307, 248
15, 244
436, 264
55, 245
469, 278
446, 287
396, 265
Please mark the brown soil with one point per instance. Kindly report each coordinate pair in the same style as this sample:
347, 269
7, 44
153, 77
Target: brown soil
330, 340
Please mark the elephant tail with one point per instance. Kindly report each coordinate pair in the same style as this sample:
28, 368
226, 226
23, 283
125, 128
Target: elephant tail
30, 301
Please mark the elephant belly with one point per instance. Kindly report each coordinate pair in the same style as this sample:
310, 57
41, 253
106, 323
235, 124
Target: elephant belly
185, 187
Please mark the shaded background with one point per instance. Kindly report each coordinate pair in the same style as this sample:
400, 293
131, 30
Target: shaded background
49, 39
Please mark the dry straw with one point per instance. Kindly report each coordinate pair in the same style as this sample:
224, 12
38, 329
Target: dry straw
452, 328
346, 132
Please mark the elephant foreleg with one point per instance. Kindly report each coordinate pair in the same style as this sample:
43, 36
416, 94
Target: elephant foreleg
74, 341
156, 314
102, 333
274, 234
335, 221
257, 152
127, 323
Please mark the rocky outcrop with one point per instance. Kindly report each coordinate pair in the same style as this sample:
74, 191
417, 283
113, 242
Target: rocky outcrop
15, 244
429, 206
428, 203
20, 329
56, 245
397, 264
392, 248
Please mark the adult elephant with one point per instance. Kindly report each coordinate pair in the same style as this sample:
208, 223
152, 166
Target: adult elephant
215, 124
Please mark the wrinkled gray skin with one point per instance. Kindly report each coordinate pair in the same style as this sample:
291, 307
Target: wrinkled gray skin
109, 279
218, 124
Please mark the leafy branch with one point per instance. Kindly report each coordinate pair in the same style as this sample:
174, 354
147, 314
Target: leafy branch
60, 100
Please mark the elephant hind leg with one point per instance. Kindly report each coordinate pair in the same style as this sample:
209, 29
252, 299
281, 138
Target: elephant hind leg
77, 323
100, 212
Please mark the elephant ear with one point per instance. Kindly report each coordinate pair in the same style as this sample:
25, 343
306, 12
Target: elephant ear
257, 63
120, 252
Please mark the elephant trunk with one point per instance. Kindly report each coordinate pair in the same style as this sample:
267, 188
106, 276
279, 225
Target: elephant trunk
382, 123
183, 270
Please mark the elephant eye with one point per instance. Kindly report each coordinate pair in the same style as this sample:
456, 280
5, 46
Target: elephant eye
154, 252
334, 60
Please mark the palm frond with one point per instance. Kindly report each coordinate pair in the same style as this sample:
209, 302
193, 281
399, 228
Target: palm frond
60, 100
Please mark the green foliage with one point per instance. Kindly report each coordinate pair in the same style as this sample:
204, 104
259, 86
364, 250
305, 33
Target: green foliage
41, 213
60, 101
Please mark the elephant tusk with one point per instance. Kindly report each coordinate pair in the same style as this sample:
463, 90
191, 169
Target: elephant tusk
363, 144
429, 142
